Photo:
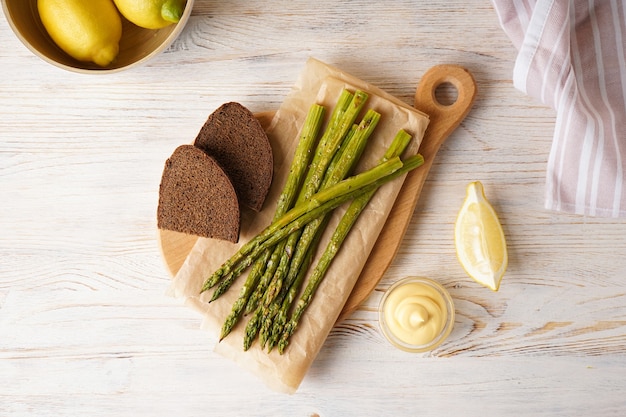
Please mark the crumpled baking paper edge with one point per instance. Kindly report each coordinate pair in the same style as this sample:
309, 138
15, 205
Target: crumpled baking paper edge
321, 83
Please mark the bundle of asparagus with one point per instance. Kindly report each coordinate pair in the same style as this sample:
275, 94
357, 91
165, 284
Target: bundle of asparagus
320, 180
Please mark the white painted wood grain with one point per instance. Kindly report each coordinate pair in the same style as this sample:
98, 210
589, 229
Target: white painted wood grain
86, 327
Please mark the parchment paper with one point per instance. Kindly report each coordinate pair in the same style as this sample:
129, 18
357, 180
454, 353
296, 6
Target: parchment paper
323, 84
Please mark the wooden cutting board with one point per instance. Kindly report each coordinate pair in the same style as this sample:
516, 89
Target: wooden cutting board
444, 118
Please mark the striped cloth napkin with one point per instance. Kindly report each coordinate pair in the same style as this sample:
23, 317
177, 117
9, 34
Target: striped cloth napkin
572, 58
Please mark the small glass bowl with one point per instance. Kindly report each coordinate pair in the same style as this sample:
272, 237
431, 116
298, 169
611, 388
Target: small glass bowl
437, 340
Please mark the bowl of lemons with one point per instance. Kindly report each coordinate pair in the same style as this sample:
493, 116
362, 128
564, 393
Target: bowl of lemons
97, 36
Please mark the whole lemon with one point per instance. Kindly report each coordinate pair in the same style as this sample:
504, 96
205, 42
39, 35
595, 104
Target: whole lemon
87, 30
151, 14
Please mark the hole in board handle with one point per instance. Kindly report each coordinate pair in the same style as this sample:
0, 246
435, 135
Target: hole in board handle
446, 93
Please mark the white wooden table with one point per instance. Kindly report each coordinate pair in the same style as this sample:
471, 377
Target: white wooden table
87, 330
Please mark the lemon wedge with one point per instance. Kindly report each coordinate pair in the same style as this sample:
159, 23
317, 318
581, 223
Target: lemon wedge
479, 239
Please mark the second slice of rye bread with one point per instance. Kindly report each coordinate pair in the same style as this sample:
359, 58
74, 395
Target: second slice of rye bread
237, 141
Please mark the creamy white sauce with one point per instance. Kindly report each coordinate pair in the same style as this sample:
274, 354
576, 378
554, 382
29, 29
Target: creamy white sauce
415, 313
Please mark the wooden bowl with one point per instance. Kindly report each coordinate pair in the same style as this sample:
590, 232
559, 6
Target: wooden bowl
137, 46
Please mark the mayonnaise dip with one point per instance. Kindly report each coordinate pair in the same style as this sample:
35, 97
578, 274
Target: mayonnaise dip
416, 314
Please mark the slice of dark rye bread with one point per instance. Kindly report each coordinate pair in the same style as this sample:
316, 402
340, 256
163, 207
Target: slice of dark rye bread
197, 197
238, 142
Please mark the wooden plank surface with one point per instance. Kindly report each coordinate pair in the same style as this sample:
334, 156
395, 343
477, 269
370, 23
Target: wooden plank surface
86, 327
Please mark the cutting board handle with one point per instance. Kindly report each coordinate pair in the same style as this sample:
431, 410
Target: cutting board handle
444, 118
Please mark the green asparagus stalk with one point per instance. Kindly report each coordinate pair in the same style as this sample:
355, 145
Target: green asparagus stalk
345, 225
252, 328
301, 159
335, 122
